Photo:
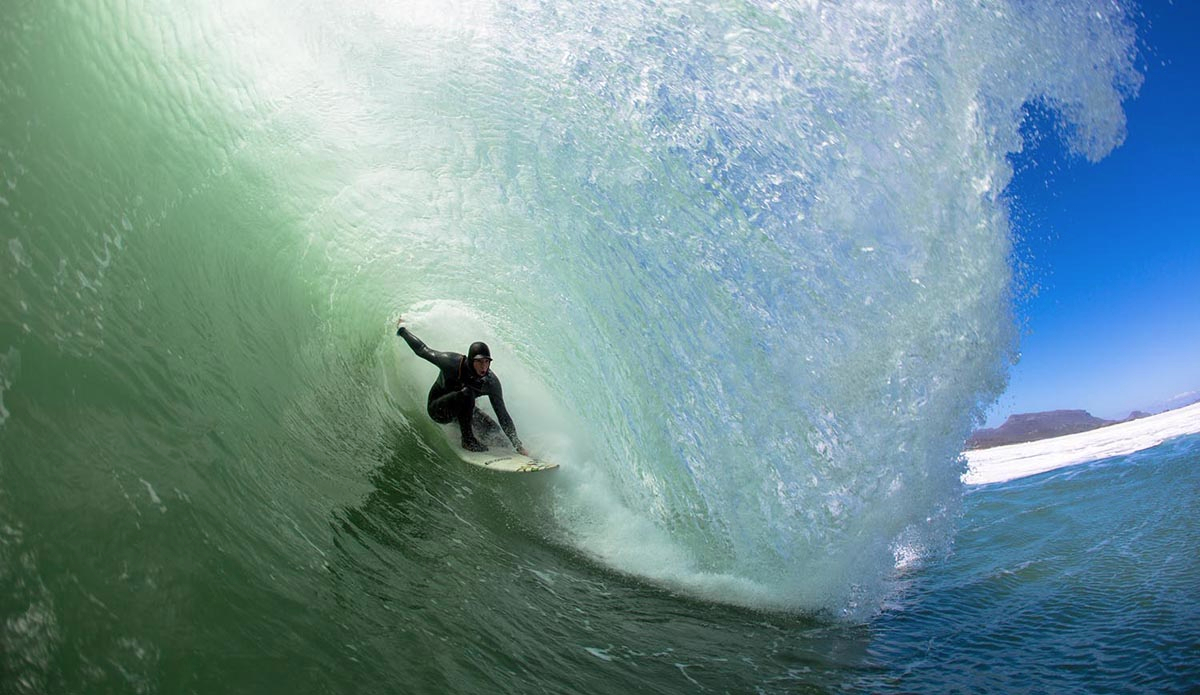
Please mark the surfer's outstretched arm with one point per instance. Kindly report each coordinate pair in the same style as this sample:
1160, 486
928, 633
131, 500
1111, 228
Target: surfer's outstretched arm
422, 350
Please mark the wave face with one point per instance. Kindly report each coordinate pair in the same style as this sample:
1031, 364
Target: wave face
745, 267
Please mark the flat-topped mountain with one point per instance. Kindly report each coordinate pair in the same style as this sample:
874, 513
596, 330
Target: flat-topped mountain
1030, 427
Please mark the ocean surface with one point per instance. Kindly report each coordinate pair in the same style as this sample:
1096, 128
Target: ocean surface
747, 273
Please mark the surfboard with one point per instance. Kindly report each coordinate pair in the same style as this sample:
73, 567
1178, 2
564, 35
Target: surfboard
505, 460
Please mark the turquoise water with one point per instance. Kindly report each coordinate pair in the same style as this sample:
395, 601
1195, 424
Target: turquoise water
745, 270
1077, 580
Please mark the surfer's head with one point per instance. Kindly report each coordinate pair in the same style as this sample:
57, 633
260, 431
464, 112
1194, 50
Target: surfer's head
480, 358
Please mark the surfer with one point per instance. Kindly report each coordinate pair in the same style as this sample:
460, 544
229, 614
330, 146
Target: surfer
464, 378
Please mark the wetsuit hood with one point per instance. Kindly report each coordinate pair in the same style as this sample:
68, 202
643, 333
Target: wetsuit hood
478, 349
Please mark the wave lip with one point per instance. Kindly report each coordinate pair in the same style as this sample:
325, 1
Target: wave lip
1003, 463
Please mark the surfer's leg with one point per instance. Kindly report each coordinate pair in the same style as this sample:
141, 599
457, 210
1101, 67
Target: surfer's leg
483, 423
445, 409
457, 405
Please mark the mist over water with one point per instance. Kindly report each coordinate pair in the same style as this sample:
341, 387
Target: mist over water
744, 268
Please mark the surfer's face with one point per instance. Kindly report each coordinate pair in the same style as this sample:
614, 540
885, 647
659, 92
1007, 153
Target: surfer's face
482, 365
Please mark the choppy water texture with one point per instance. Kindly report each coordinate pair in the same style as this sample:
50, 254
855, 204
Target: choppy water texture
745, 270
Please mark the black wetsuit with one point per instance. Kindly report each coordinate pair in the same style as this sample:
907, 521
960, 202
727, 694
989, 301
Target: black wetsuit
452, 396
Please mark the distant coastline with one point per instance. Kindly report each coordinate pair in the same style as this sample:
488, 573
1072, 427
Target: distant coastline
1032, 427
1001, 463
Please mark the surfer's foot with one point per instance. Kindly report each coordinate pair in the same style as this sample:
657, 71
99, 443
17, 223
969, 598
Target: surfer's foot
473, 445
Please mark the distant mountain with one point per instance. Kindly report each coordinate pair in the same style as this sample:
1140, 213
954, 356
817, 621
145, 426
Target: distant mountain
1030, 427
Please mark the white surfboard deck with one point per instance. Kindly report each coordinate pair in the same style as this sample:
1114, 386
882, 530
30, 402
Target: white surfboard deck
505, 460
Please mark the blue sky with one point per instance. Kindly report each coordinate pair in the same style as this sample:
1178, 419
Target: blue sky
1114, 248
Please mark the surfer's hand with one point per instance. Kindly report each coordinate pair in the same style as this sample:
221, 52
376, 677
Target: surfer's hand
523, 451
400, 323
